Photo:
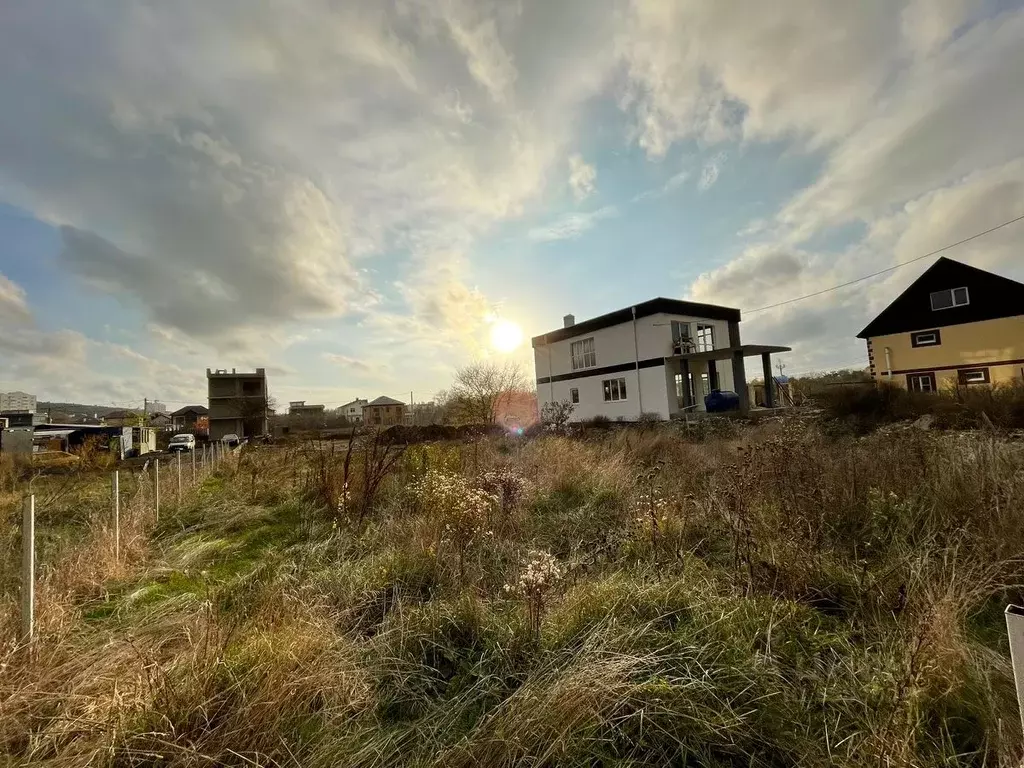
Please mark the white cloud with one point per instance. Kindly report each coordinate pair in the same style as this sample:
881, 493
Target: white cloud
231, 170
709, 173
13, 305
581, 177
571, 225
347, 362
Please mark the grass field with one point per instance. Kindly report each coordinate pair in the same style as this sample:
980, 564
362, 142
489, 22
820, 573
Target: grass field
776, 597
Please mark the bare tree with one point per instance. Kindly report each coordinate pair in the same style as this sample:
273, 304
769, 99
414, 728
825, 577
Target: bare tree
479, 391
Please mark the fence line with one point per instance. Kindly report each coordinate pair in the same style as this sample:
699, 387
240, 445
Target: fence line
211, 457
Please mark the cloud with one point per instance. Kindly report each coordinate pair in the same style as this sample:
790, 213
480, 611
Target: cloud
581, 177
486, 58
709, 173
346, 132
571, 225
13, 304
347, 362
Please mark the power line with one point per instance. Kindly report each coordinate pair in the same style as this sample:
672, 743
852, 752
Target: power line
887, 269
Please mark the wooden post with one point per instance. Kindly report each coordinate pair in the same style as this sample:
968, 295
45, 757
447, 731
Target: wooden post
193, 466
117, 516
179, 478
28, 569
156, 489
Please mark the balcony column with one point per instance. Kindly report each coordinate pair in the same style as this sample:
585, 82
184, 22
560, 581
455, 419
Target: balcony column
684, 369
769, 382
739, 380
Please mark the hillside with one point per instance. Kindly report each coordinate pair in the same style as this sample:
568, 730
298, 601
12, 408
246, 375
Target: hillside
764, 597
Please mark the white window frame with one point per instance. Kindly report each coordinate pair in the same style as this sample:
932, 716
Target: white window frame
966, 376
705, 334
918, 377
681, 338
582, 354
917, 336
952, 294
614, 390
574, 395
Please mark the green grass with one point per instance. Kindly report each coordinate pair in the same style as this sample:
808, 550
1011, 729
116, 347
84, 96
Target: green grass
806, 600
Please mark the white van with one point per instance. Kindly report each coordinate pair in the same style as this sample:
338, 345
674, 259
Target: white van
182, 443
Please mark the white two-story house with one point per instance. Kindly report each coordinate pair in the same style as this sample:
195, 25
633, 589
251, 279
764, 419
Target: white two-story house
659, 357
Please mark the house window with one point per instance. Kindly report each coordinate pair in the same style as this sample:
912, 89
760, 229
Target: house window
973, 376
921, 382
582, 354
614, 390
926, 338
705, 338
949, 298
574, 395
681, 340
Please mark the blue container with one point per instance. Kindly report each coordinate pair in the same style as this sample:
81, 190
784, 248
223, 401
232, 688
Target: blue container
720, 401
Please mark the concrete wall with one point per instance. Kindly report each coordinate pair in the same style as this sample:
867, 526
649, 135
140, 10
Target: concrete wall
614, 345
651, 390
16, 441
994, 344
383, 415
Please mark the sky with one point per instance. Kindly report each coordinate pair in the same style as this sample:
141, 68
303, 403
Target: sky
354, 195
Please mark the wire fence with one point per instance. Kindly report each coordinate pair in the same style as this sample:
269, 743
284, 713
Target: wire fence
146, 494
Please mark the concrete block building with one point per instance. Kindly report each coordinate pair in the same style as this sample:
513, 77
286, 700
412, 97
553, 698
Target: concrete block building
238, 403
662, 357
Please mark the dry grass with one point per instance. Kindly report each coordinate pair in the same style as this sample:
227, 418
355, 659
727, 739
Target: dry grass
772, 598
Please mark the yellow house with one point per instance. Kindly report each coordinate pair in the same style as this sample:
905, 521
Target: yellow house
384, 412
956, 325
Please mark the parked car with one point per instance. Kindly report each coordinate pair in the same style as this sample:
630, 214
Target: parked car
182, 443
231, 440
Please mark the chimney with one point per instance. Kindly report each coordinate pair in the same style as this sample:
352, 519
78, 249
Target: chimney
568, 321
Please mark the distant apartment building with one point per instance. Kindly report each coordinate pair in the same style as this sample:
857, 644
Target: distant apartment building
238, 402
299, 408
353, 412
17, 402
384, 412
302, 415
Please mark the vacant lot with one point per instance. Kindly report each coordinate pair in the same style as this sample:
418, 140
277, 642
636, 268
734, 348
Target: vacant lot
777, 598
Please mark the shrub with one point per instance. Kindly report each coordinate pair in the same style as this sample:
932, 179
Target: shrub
555, 416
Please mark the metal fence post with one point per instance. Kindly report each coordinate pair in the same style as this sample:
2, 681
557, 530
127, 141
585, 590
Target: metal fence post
117, 516
156, 489
28, 569
179, 478
193, 466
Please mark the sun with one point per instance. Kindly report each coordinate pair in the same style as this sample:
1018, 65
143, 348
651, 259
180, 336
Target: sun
506, 336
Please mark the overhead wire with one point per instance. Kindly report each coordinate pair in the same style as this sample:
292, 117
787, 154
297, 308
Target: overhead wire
887, 269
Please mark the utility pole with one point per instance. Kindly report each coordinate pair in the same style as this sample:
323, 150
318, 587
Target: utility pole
145, 407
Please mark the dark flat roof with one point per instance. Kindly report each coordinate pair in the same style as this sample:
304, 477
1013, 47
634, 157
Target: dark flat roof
644, 309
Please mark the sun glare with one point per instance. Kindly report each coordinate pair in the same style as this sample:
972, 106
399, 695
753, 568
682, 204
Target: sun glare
506, 336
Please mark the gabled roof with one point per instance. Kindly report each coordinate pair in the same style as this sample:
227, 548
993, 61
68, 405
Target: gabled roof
385, 400
122, 415
644, 309
357, 402
200, 410
991, 296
